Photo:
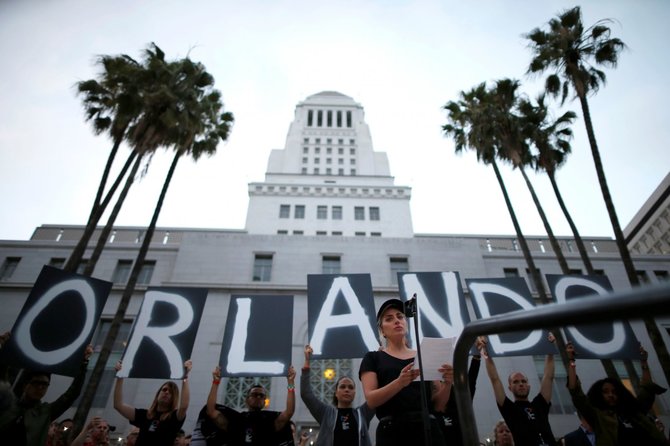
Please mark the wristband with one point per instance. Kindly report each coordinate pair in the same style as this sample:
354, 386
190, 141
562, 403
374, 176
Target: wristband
216, 381
290, 387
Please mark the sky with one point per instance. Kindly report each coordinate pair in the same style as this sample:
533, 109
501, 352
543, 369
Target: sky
401, 60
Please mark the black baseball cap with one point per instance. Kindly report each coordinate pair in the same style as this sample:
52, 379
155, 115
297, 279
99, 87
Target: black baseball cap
391, 303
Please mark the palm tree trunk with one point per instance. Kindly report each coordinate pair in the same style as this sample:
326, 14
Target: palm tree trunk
609, 204
534, 272
96, 375
607, 364
650, 324
79, 250
578, 239
547, 227
104, 235
106, 172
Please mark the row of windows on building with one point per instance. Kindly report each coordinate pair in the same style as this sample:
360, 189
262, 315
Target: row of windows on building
330, 264
120, 275
330, 189
322, 212
262, 271
317, 160
642, 275
504, 244
328, 171
329, 118
329, 151
329, 141
333, 233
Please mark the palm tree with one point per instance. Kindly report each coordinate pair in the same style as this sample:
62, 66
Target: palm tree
111, 104
482, 121
471, 127
515, 126
183, 106
572, 52
552, 141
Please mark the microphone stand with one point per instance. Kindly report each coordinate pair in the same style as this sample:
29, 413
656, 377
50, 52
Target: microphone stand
411, 312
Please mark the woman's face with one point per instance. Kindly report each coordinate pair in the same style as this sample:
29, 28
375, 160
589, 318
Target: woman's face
345, 392
393, 323
503, 435
609, 394
165, 395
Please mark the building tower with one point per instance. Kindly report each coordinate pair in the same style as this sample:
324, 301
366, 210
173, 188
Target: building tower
328, 180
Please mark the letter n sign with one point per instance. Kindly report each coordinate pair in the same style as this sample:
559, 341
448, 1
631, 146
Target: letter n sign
56, 323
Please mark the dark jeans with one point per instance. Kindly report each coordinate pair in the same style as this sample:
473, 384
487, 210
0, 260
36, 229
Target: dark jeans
407, 429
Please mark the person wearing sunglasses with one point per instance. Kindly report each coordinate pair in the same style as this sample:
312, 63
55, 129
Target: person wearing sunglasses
256, 426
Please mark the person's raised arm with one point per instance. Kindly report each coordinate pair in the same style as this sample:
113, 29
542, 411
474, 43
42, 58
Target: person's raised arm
63, 402
376, 396
127, 411
492, 371
572, 368
646, 374
548, 376
315, 406
216, 416
185, 392
286, 415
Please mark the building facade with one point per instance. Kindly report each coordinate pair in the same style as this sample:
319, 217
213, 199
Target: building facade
328, 205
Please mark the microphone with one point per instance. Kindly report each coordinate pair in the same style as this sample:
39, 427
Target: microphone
410, 306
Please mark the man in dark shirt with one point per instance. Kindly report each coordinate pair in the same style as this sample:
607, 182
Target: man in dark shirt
527, 419
255, 426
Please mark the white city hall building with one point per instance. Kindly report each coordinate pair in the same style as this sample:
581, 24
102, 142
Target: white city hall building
328, 204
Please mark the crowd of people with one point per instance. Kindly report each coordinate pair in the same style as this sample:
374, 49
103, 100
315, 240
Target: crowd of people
408, 412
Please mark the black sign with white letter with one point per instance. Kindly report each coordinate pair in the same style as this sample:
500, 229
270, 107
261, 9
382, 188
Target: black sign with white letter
258, 336
164, 332
56, 323
440, 301
614, 340
491, 297
341, 315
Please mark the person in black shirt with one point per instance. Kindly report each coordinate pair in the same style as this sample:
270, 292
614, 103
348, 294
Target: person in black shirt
256, 426
527, 419
388, 382
161, 422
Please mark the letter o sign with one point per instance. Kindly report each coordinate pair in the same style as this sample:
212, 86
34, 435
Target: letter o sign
23, 338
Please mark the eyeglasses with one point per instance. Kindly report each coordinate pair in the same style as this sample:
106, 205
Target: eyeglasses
39, 383
256, 395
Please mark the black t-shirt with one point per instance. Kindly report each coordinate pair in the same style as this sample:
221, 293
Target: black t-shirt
528, 421
346, 428
255, 428
205, 427
388, 368
154, 431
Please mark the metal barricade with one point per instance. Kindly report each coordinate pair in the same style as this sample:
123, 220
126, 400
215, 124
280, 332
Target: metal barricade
637, 303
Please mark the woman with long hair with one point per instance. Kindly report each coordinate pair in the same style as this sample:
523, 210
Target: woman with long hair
159, 424
616, 416
341, 424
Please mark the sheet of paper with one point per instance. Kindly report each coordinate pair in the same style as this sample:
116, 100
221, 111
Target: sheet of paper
434, 353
